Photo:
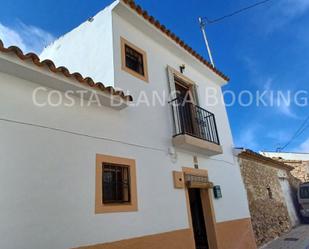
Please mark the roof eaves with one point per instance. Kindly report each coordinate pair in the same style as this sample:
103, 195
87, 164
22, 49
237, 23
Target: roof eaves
251, 154
34, 58
140, 11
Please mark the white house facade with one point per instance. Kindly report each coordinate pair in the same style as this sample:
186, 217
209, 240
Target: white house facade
136, 170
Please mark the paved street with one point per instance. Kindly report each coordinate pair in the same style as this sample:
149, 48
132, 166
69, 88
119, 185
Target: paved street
298, 238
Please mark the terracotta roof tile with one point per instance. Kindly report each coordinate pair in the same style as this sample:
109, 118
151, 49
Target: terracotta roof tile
139, 10
62, 70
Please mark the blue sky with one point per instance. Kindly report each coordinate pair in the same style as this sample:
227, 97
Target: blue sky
266, 48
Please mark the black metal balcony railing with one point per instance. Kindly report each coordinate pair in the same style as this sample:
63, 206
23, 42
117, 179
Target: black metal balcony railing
194, 120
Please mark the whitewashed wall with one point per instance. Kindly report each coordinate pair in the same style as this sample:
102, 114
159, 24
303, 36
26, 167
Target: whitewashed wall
87, 49
288, 196
47, 176
223, 170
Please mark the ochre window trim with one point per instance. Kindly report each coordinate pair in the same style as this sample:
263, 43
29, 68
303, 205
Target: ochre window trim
100, 207
124, 42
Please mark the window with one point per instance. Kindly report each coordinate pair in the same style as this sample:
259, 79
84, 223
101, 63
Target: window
115, 184
134, 60
304, 192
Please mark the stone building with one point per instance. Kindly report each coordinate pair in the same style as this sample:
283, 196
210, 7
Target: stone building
270, 195
300, 170
299, 162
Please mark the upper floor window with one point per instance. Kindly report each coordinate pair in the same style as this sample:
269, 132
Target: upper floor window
115, 184
134, 60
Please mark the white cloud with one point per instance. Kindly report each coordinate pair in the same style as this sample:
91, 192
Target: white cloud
279, 136
11, 37
282, 100
304, 147
294, 8
283, 12
248, 138
286, 110
29, 38
267, 85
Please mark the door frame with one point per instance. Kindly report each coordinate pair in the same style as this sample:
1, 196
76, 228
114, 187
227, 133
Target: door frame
208, 209
172, 74
174, 78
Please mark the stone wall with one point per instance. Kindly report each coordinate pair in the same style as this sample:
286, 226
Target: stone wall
301, 169
269, 214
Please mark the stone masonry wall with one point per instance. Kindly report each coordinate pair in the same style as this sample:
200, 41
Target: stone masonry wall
301, 168
269, 213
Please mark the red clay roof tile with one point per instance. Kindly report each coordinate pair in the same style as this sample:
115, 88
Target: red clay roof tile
63, 70
139, 10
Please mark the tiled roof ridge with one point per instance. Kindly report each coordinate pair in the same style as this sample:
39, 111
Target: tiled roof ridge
139, 10
63, 70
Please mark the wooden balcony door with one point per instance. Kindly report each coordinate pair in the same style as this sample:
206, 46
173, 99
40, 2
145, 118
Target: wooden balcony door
189, 113
184, 94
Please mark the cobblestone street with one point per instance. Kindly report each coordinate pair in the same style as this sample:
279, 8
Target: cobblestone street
298, 238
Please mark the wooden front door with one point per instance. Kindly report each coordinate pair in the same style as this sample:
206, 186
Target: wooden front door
198, 222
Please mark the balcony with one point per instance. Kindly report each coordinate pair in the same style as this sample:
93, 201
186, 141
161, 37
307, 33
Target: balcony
195, 128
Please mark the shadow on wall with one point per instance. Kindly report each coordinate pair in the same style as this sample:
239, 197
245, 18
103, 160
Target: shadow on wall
294, 183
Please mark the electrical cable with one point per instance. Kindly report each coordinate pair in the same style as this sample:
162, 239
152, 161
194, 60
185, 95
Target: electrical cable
208, 21
95, 137
80, 134
296, 134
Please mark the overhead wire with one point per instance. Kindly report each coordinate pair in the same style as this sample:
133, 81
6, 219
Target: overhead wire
209, 21
97, 137
296, 134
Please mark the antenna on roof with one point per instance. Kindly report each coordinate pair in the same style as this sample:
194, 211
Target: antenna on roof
203, 27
